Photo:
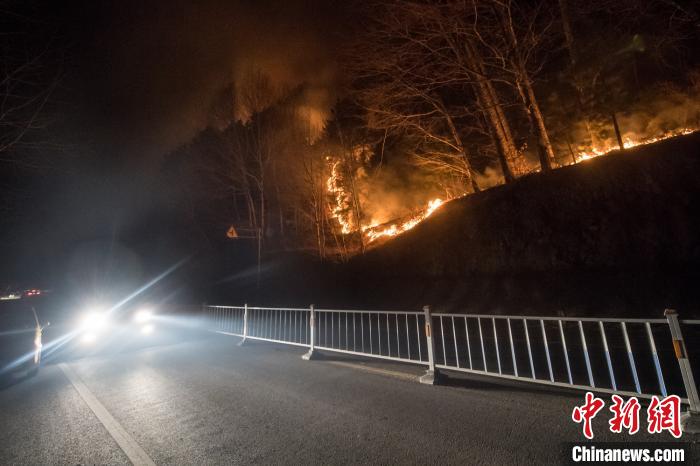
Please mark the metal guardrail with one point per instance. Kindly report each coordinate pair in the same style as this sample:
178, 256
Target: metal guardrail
631, 357
392, 335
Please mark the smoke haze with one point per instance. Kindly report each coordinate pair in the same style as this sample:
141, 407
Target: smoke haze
149, 70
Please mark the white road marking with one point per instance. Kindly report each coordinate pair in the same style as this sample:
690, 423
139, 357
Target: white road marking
131, 449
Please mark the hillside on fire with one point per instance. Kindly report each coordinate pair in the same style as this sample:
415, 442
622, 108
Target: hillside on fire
617, 234
495, 156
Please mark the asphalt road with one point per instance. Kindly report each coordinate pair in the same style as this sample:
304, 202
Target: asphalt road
207, 401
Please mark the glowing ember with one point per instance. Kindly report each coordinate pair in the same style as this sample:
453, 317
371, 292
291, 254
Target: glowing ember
629, 142
372, 232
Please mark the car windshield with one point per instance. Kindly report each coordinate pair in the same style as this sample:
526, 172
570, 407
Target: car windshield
15, 316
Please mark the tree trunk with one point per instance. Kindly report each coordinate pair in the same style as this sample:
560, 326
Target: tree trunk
496, 119
252, 218
617, 131
319, 226
503, 162
280, 209
469, 171
573, 58
571, 151
544, 145
357, 208
527, 93
568, 32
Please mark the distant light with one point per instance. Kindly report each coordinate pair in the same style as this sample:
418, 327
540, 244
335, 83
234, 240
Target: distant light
147, 329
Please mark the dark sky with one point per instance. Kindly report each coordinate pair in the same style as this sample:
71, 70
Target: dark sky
142, 74
138, 78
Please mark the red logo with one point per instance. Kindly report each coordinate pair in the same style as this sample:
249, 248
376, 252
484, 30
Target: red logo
665, 415
662, 415
587, 412
625, 414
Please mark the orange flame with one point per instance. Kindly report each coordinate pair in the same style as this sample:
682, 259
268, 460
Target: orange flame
341, 201
629, 142
340, 209
372, 233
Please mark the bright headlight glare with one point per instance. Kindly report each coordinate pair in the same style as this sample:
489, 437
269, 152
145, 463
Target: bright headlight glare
93, 322
143, 315
147, 329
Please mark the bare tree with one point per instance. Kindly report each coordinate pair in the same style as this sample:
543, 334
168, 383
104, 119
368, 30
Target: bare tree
27, 83
427, 70
402, 73
521, 40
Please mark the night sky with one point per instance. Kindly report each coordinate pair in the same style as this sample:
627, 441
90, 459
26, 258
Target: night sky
138, 79
144, 73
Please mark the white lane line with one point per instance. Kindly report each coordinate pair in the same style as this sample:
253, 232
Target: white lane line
131, 449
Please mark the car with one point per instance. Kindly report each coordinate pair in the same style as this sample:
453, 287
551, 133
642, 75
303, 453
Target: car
142, 320
20, 337
98, 328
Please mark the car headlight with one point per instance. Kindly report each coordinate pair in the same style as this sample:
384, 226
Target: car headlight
91, 325
147, 329
142, 316
94, 321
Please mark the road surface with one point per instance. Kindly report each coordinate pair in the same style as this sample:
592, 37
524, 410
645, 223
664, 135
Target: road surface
207, 401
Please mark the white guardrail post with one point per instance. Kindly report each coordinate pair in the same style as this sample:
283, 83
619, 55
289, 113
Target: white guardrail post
432, 375
245, 325
690, 420
311, 355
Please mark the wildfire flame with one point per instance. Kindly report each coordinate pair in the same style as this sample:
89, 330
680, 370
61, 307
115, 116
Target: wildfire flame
341, 205
341, 209
341, 199
629, 142
374, 232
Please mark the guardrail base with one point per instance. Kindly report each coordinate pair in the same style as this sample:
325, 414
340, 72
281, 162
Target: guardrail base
690, 422
242, 342
431, 377
311, 355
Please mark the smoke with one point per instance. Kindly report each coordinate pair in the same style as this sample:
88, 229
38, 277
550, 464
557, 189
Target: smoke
147, 72
664, 110
396, 190
669, 108
490, 178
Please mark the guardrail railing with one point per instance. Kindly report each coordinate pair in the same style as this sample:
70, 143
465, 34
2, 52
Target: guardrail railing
393, 335
631, 357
